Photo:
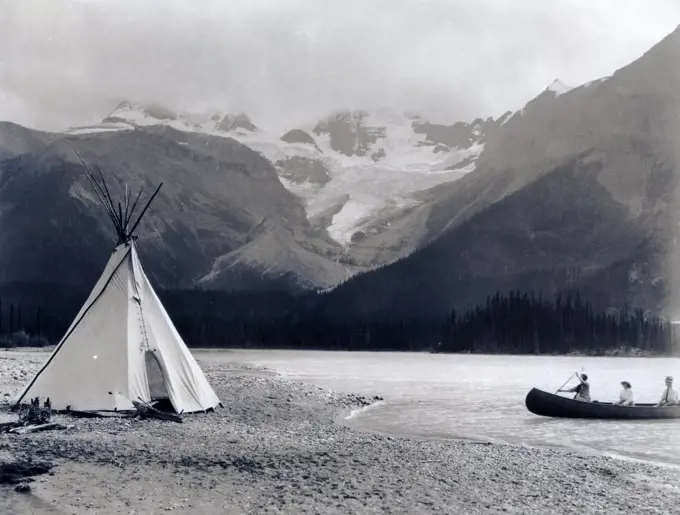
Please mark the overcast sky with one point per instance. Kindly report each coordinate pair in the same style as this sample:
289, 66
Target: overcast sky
286, 62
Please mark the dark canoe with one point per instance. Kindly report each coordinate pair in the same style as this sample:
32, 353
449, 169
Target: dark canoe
551, 405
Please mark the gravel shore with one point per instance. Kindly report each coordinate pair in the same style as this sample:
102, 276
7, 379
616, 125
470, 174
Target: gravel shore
276, 447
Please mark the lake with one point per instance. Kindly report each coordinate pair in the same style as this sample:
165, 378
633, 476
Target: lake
482, 397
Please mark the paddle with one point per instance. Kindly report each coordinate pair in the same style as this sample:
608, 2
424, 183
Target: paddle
558, 390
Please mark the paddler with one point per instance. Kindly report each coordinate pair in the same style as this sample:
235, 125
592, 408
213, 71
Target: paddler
582, 389
669, 397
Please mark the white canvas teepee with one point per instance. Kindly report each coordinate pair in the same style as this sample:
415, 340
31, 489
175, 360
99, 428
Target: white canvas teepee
102, 362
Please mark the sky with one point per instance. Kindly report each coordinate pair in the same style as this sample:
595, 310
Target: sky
291, 62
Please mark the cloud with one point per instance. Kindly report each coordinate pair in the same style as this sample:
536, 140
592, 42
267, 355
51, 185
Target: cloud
288, 62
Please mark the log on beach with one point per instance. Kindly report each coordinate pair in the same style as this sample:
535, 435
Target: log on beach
36, 427
145, 410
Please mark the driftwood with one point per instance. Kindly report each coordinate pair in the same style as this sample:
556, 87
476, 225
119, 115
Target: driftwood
37, 427
145, 410
100, 414
5, 427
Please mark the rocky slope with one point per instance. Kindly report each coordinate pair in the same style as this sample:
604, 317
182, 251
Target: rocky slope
576, 190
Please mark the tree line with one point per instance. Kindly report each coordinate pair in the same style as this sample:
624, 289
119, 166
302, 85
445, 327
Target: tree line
512, 322
528, 324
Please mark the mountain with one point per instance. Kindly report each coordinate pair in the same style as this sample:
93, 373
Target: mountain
221, 220
361, 175
577, 190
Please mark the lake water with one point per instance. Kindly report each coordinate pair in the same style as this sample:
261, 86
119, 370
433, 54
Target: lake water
482, 397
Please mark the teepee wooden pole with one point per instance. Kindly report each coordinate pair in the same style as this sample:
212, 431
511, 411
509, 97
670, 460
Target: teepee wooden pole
108, 194
145, 208
134, 205
126, 219
102, 197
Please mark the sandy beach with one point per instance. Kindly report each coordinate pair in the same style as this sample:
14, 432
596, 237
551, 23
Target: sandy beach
279, 446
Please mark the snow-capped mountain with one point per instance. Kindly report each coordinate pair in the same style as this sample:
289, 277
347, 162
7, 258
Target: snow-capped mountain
349, 167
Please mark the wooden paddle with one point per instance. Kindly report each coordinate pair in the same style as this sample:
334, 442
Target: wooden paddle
558, 390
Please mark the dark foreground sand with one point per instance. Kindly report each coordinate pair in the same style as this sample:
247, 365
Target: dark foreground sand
276, 447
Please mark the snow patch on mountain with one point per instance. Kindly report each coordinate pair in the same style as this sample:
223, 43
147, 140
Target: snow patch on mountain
558, 87
101, 127
354, 163
595, 82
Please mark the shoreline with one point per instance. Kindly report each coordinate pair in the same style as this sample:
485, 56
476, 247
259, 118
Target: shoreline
623, 353
618, 353
277, 447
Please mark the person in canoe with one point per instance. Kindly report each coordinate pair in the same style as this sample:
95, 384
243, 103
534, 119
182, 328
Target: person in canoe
626, 395
582, 390
669, 397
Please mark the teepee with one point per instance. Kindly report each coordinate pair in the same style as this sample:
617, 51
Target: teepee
122, 346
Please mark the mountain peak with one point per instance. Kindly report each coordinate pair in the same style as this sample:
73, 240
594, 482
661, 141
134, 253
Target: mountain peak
558, 87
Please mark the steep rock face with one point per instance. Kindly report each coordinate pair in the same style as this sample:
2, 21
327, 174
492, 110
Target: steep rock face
380, 135
459, 135
579, 185
302, 170
215, 193
349, 134
300, 136
239, 121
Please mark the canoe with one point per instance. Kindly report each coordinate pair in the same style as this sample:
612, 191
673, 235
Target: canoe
547, 404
